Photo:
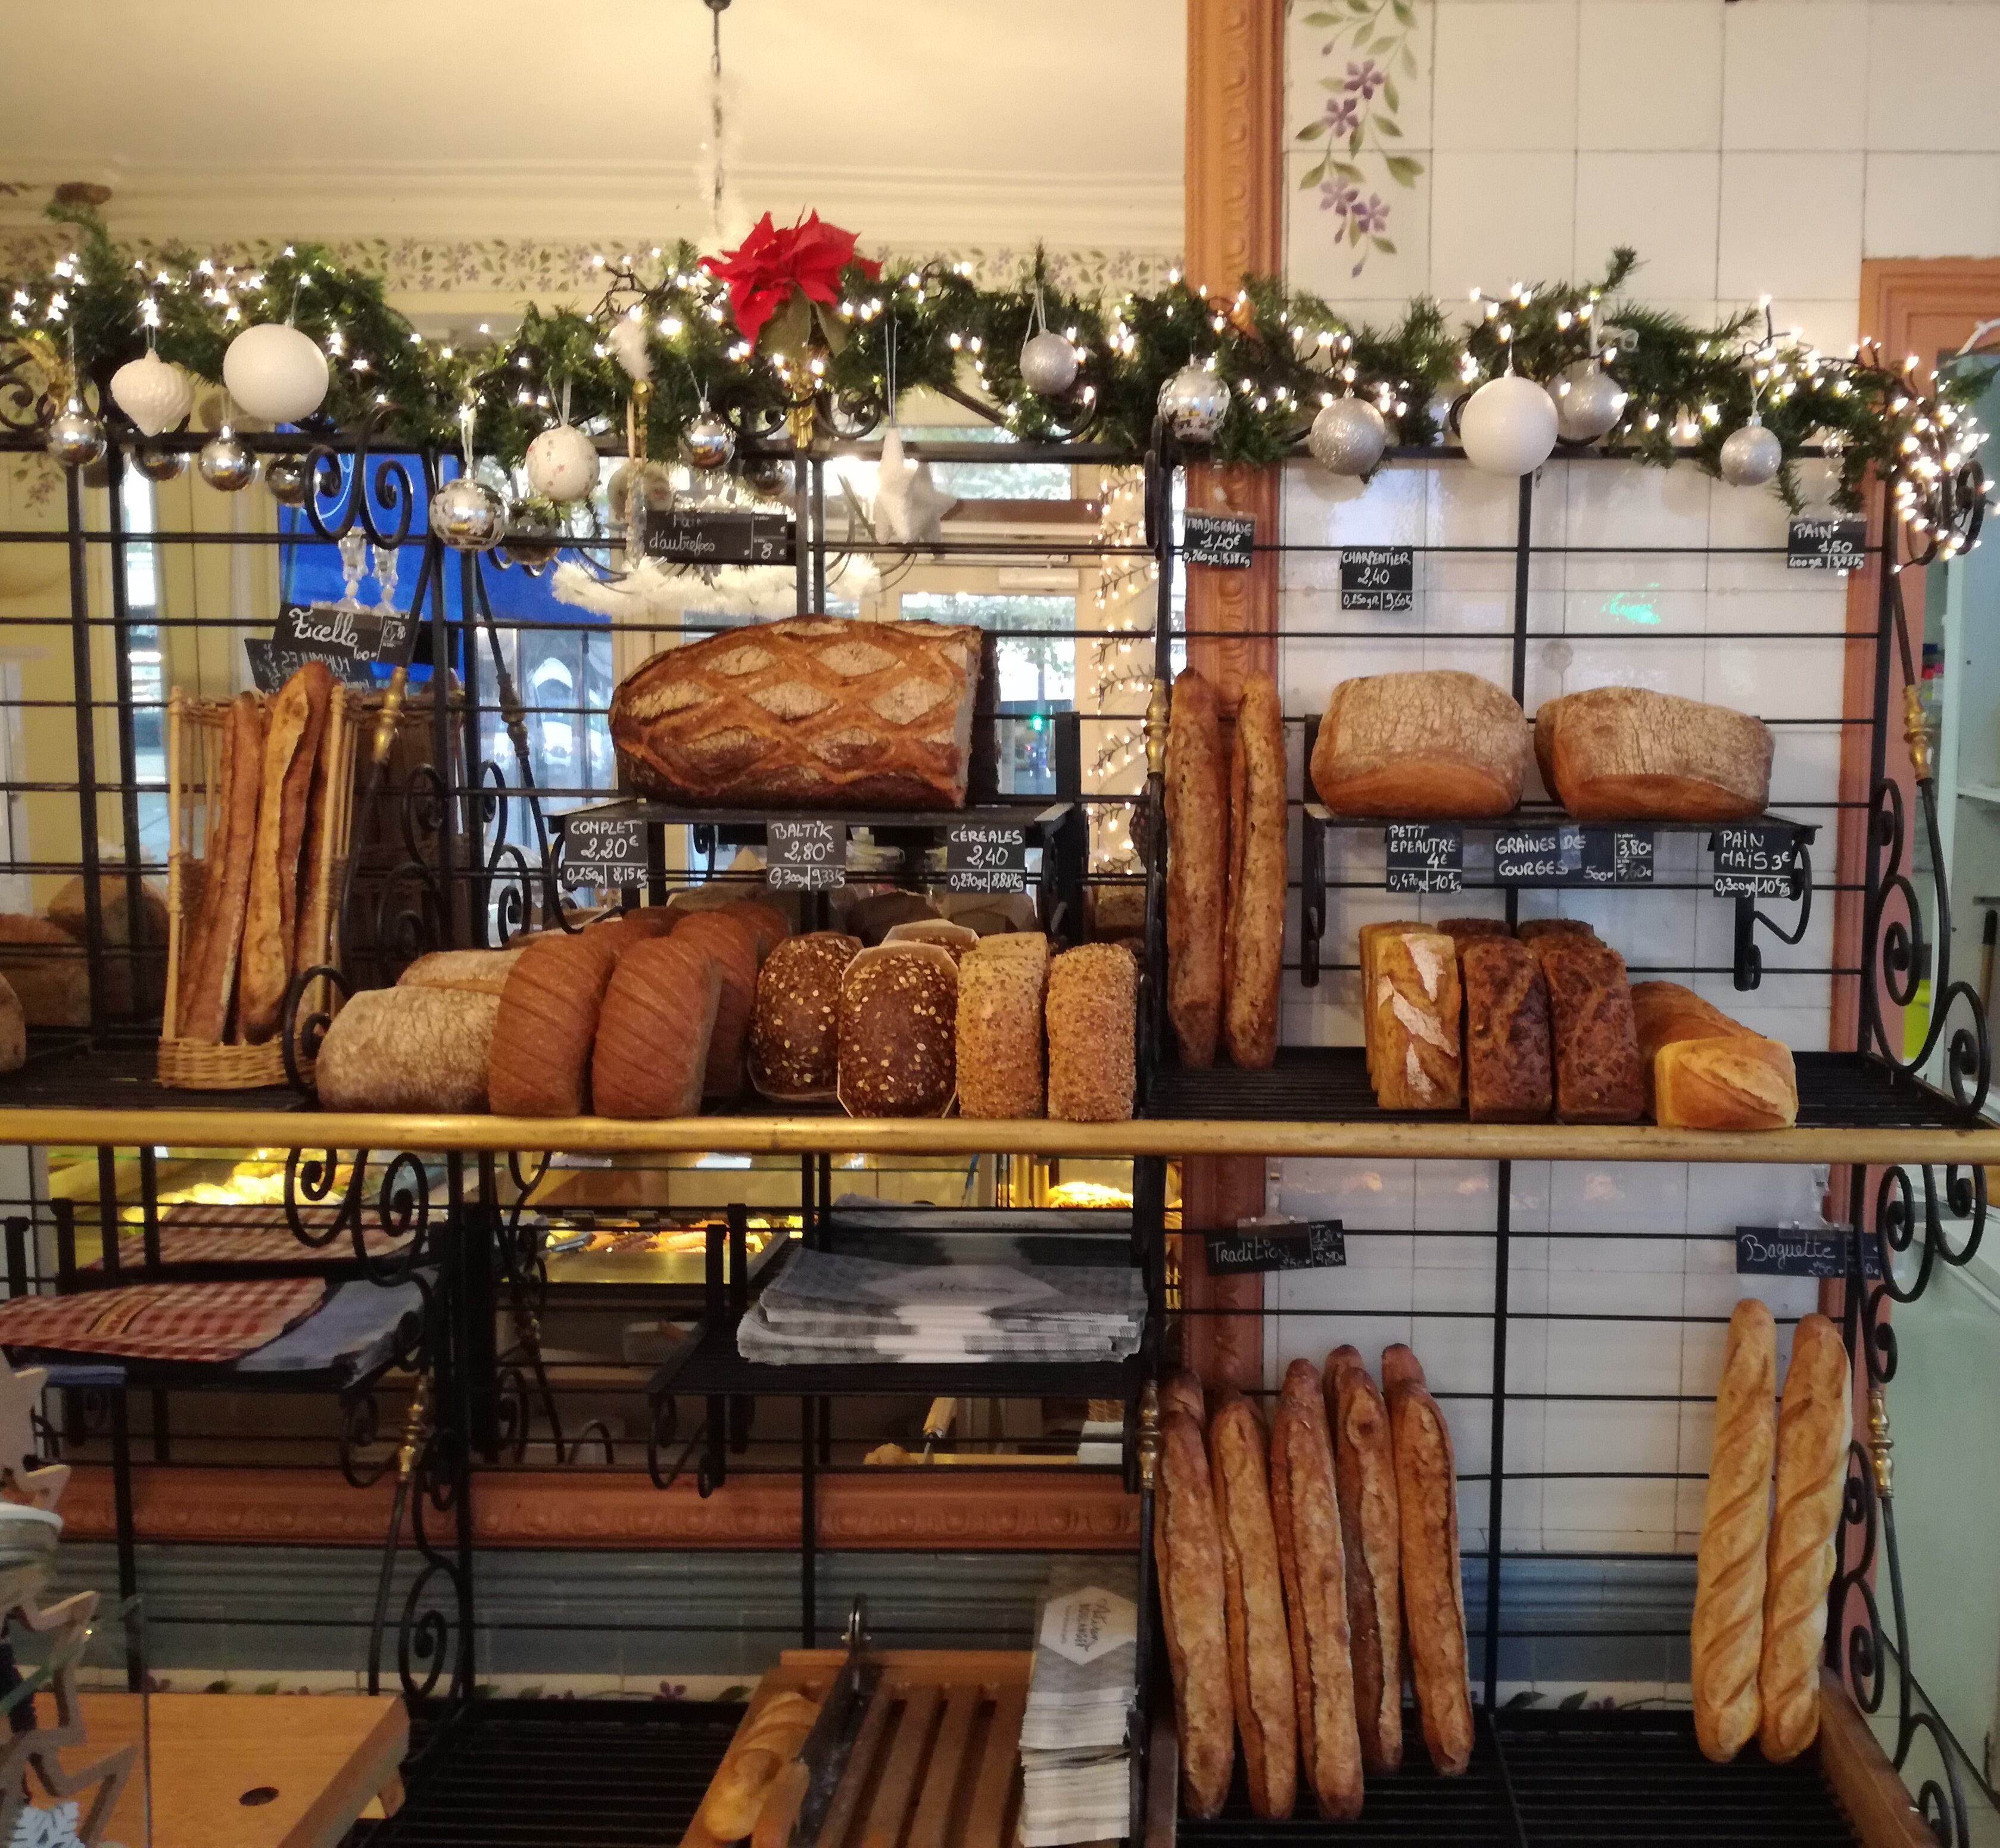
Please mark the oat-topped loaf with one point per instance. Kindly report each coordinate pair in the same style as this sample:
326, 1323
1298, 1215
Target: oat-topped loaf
1092, 1014
1000, 994
816, 711
795, 1026
898, 1016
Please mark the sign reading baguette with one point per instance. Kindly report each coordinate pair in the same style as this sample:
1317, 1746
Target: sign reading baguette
600, 843
1793, 1251
1757, 860
1221, 541
1300, 1244
1826, 543
1377, 577
986, 856
806, 854
1424, 857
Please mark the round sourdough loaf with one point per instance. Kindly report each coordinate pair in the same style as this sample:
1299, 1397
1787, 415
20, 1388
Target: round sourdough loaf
539, 1064
652, 1035
732, 941
898, 1031
408, 1049
1409, 747
795, 1025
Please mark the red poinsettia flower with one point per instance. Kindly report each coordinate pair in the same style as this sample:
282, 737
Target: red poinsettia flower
768, 265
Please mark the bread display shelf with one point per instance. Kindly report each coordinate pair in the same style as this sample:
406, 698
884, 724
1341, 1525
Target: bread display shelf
1036, 815
1553, 815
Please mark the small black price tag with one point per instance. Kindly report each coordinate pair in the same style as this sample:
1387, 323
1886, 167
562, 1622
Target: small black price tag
1221, 541
1757, 860
1424, 857
1377, 577
272, 663
1826, 544
1789, 1251
1306, 1245
986, 856
1551, 856
806, 855
1618, 855
605, 844
712, 536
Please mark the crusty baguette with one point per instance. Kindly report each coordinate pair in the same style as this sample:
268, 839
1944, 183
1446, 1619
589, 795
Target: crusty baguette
266, 964
1197, 868
1306, 1514
296, 813
1181, 1391
1256, 942
764, 1744
1815, 1424
1433, 1593
1727, 1639
316, 869
207, 979
1187, 1555
1364, 1470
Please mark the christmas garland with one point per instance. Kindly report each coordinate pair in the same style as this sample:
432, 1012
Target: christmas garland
794, 329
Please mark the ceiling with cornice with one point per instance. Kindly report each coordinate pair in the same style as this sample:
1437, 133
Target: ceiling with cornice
919, 123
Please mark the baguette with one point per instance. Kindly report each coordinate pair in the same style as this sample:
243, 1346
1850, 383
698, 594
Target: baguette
265, 967
1257, 900
1187, 1555
1815, 1424
306, 774
766, 1741
1364, 1472
1181, 1391
208, 977
1727, 1637
1197, 869
1306, 1514
1433, 1593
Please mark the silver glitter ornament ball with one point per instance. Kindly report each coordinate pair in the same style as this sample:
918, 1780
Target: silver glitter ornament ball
708, 442
75, 438
1348, 436
468, 516
286, 478
1751, 456
1048, 363
226, 462
1589, 401
158, 464
1194, 401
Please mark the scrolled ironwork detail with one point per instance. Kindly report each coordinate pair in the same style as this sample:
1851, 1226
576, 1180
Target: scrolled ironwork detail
355, 494
302, 1034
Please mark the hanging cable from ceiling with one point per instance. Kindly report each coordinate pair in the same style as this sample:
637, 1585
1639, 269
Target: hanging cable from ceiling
715, 175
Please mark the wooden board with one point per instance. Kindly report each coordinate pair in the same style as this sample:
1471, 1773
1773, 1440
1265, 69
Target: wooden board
324, 1757
1874, 1797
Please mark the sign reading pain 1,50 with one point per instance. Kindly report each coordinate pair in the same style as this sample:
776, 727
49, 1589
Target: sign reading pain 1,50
807, 853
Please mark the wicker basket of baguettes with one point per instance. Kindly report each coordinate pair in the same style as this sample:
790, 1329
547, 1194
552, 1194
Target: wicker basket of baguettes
1302, 1568
264, 784
1510, 1027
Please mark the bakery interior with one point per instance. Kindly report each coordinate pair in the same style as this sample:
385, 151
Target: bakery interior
905, 966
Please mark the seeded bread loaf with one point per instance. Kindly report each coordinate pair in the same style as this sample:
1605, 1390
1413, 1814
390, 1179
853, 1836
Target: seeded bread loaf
1411, 747
1627, 754
1595, 1044
408, 1049
1092, 1012
652, 1034
795, 1026
732, 941
1508, 1076
898, 1028
540, 1064
1000, 998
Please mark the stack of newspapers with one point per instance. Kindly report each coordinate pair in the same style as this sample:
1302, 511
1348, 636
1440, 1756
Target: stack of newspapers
1083, 1692
828, 1306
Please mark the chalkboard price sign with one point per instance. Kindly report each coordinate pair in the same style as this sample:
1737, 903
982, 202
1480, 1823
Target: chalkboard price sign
1304, 1244
1221, 541
1424, 857
806, 855
605, 843
1377, 577
1757, 860
1617, 856
1538, 855
707, 535
1792, 1251
274, 662
1826, 544
986, 856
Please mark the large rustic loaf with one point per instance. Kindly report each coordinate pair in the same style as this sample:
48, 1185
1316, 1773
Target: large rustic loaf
1627, 754
1410, 746
814, 711
408, 1049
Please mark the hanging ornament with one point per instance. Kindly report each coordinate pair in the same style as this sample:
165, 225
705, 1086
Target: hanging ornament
1508, 425
275, 372
75, 438
226, 461
1348, 436
1194, 402
468, 516
287, 477
159, 464
1752, 455
767, 477
154, 395
1589, 401
909, 506
1048, 359
562, 464
534, 537
708, 442
659, 481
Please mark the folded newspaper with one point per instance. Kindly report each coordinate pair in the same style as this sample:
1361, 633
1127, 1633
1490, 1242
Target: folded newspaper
828, 1307
1083, 1690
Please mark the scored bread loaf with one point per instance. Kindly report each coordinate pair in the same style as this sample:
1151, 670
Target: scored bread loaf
1364, 1474
1595, 1043
1197, 868
731, 940
1187, 1556
407, 1049
1702, 1070
1727, 1642
1260, 1655
472, 971
898, 1031
210, 954
814, 711
1255, 938
765, 1742
1305, 1513
795, 1026
1433, 1593
1507, 1076
1092, 1012
1815, 1425
1628, 754
652, 1048
1371, 936
1416, 1005
1418, 746
999, 1052
540, 1062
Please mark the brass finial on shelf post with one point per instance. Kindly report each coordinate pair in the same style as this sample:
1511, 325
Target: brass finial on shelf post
416, 1428
1158, 709
391, 712
1917, 733
1149, 1435
1878, 1441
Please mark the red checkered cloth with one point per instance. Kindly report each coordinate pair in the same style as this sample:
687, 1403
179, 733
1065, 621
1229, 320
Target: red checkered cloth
193, 1232
162, 1321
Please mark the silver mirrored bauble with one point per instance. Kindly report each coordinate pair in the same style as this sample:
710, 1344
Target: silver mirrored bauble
287, 478
708, 442
534, 537
159, 464
1348, 436
1194, 401
1048, 363
770, 476
226, 462
1752, 455
468, 516
659, 489
1589, 401
75, 438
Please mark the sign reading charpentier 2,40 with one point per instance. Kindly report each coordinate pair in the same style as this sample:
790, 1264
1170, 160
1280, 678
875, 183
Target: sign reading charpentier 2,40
986, 856
1377, 577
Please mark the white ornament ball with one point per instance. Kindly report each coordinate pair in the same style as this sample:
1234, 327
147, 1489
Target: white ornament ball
562, 464
1752, 455
708, 442
1508, 425
227, 462
75, 438
1048, 363
1348, 436
276, 372
468, 516
154, 395
1589, 401
1194, 401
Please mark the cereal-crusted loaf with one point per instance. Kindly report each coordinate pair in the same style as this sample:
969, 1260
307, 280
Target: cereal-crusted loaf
795, 1026
1092, 1014
898, 1032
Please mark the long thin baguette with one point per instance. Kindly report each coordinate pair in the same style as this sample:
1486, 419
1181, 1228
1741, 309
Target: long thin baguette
1815, 1425
202, 1009
1257, 902
316, 866
1197, 869
1728, 1634
300, 780
266, 958
197, 931
1364, 1472
1187, 1554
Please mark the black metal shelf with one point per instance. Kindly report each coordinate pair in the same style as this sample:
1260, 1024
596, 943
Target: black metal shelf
64, 1072
1553, 815
1030, 811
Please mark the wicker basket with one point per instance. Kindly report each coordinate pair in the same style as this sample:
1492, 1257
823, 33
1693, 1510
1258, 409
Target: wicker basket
194, 799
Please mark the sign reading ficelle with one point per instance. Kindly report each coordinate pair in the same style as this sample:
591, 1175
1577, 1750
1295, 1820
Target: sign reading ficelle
349, 639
